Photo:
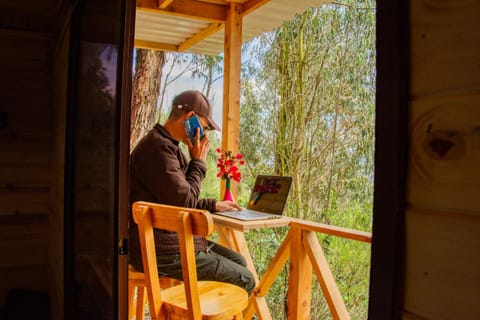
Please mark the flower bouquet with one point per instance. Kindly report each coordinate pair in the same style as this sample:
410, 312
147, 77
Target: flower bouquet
228, 169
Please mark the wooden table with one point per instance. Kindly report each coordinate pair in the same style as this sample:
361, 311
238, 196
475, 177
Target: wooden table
231, 234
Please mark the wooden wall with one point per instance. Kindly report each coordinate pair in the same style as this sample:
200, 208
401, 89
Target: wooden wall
442, 275
28, 244
25, 160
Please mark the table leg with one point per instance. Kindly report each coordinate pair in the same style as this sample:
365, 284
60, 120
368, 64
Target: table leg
235, 240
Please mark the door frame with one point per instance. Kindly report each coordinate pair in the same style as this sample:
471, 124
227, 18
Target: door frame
125, 84
391, 158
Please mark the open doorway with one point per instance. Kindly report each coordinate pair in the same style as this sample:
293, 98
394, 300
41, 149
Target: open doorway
307, 110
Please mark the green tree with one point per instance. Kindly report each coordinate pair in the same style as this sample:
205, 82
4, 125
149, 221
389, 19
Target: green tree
318, 100
209, 69
308, 111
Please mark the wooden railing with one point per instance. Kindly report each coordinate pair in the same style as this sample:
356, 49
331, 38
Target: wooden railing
302, 248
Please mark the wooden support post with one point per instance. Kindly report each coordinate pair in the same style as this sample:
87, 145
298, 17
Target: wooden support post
231, 82
300, 279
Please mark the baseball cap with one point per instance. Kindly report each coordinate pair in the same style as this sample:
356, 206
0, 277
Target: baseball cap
193, 100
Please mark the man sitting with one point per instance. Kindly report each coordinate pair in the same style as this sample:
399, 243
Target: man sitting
161, 173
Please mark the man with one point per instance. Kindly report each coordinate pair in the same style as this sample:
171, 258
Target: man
161, 173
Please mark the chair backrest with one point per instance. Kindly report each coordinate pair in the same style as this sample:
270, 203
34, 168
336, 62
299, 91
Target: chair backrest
186, 222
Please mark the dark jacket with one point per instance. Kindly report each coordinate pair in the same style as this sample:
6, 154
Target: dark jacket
160, 172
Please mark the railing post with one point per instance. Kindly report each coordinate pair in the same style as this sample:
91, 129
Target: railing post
300, 279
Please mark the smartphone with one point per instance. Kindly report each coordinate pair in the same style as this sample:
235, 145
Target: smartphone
191, 125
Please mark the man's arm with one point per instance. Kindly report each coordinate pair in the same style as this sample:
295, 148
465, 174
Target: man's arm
161, 169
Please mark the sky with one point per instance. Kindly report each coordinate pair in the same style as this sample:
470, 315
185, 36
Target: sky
185, 82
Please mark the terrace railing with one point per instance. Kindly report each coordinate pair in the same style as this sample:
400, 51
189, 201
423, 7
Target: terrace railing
302, 248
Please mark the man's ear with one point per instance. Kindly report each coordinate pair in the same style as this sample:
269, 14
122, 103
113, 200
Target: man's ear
189, 114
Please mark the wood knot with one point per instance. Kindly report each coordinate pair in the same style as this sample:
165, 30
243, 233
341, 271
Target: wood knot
443, 145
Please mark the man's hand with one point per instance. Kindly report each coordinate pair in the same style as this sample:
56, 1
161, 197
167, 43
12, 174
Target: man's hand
199, 149
227, 205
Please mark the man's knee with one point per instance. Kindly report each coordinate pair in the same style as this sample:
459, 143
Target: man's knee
248, 281
241, 261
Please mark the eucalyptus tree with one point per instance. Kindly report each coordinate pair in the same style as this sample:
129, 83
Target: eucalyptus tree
209, 69
317, 86
308, 111
145, 92
173, 62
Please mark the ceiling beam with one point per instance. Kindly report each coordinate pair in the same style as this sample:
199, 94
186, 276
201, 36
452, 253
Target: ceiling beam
144, 44
211, 29
186, 8
253, 5
162, 4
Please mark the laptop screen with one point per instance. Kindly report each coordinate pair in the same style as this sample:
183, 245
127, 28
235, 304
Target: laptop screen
269, 194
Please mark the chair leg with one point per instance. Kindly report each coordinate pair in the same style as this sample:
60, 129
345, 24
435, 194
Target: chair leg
131, 297
141, 299
136, 284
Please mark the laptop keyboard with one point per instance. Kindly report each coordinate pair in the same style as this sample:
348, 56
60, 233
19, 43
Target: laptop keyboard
247, 213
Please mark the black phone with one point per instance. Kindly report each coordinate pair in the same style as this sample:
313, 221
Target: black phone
191, 125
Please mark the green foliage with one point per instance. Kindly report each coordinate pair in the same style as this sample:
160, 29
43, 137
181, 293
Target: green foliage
308, 111
209, 69
349, 262
314, 98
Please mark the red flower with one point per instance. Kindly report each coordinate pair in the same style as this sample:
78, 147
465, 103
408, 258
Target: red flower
228, 164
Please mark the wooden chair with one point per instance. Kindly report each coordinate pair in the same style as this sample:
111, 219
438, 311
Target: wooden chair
192, 299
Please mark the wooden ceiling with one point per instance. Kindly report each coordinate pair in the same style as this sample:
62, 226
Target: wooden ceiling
197, 26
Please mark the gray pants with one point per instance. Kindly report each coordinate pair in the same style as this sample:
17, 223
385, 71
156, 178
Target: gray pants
218, 264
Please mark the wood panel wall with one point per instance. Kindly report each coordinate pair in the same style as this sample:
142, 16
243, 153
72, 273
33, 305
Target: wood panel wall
25, 160
442, 275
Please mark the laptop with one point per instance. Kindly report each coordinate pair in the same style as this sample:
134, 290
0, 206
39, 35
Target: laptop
267, 199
